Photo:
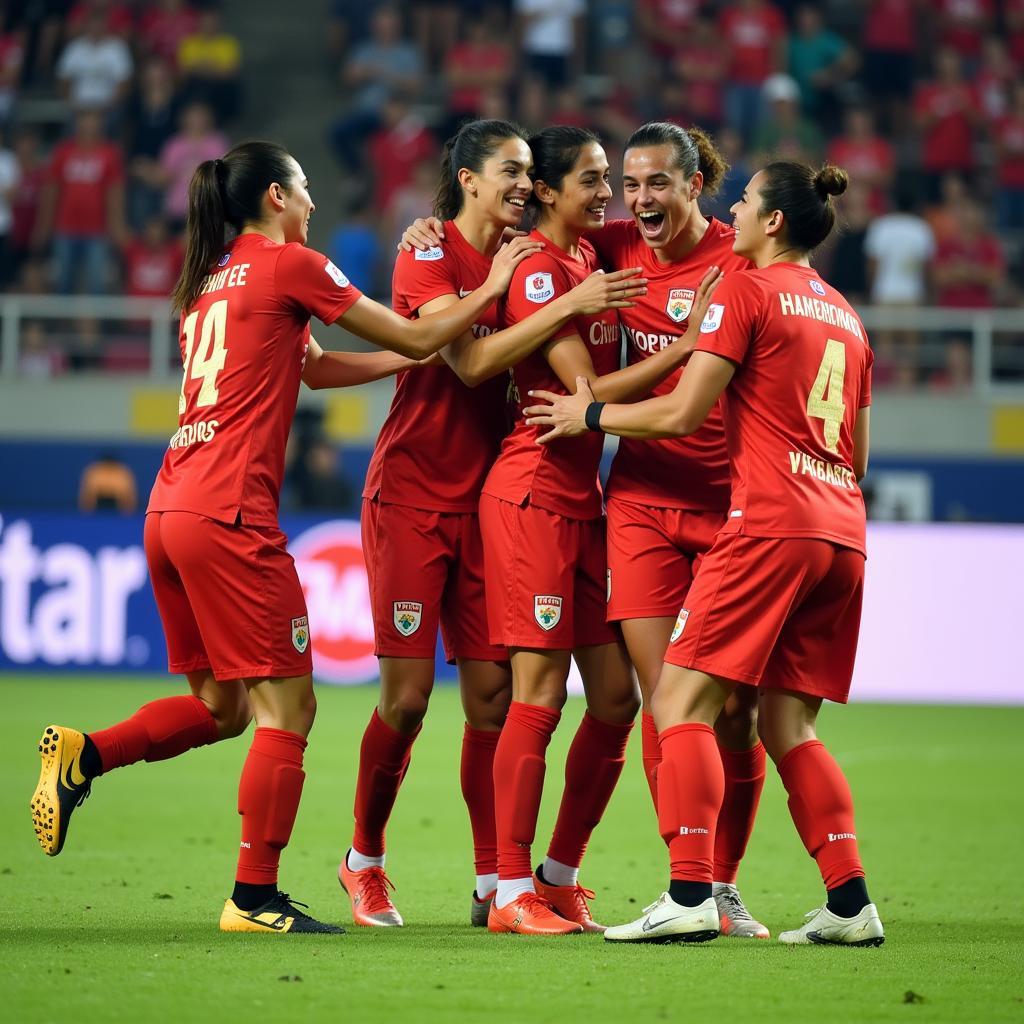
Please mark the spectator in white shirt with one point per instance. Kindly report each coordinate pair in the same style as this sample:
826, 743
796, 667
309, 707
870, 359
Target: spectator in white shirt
899, 246
95, 69
551, 34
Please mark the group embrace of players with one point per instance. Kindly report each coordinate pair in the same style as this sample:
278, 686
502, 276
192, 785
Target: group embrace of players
722, 570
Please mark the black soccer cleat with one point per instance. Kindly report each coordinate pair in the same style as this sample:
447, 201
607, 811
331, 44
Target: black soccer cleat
62, 786
279, 914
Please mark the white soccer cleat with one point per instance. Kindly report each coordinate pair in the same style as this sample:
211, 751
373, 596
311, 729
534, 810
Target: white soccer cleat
666, 921
824, 928
735, 920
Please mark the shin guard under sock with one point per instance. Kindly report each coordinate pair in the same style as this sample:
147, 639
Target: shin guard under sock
744, 780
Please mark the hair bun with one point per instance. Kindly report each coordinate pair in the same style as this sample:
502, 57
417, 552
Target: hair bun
831, 181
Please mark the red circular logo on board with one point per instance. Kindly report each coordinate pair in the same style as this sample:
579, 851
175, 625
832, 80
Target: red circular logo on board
329, 560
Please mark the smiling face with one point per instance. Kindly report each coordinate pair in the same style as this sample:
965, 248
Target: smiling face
582, 199
658, 194
748, 221
298, 206
501, 187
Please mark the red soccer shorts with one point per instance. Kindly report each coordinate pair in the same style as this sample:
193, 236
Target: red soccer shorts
228, 596
426, 569
546, 577
778, 613
653, 554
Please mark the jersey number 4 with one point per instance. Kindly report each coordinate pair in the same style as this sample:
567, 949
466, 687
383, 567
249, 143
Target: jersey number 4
206, 361
825, 402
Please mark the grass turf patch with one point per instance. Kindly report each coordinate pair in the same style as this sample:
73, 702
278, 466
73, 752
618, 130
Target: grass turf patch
123, 925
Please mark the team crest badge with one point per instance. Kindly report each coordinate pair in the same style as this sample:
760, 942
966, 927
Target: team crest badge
407, 616
300, 634
547, 610
680, 302
817, 287
677, 629
539, 287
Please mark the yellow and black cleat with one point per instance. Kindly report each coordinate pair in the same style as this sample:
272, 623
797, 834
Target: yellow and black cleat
62, 786
280, 914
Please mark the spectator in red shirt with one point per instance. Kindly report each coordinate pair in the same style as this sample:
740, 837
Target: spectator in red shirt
116, 18
1008, 137
945, 114
25, 200
665, 26
82, 206
1013, 16
969, 269
754, 33
152, 261
962, 24
479, 62
865, 156
890, 46
994, 79
164, 26
395, 148
702, 64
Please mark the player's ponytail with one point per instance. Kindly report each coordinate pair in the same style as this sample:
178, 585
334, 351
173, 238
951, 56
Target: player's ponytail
555, 152
804, 197
223, 196
710, 162
468, 148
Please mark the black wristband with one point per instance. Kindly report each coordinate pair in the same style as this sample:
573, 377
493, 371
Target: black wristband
592, 417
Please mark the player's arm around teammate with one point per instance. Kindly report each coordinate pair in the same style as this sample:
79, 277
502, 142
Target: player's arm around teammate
777, 602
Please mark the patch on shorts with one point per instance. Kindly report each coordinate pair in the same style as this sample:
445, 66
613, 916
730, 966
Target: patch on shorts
547, 610
300, 634
677, 629
407, 616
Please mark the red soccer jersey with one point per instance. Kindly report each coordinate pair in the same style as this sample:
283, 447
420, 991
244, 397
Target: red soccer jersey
151, 271
889, 26
752, 37
686, 472
243, 344
984, 252
948, 143
440, 436
803, 373
963, 24
560, 477
1009, 135
83, 174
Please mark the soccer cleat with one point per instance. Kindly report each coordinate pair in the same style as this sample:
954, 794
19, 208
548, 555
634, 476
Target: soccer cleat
368, 891
62, 787
529, 914
734, 918
479, 909
823, 928
666, 921
279, 914
570, 902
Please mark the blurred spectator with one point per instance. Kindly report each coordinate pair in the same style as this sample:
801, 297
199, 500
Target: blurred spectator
865, 154
95, 68
25, 199
82, 206
38, 358
196, 141
848, 265
754, 34
116, 18
730, 145
962, 24
944, 216
12, 54
384, 65
1013, 16
969, 267
1008, 136
551, 38
821, 61
152, 261
889, 42
436, 24
317, 479
394, 150
164, 26
994, 79
152, 119
209, 60
85, 345
354, 244
533, 103
107, 485
10, 174
701, 64
348, 22
665, 26
956, 374
784, 133
899, 247
480, 62
945, 114
568, 108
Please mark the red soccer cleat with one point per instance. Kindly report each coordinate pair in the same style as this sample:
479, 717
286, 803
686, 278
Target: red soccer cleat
529, 914
368, 891
570, 902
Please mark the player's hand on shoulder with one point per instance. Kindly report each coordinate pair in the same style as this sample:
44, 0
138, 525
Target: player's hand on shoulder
423, 233
505, 261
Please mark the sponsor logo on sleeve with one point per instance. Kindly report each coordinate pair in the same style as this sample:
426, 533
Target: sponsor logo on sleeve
336, 275
677, 629
547, 610
435, 252
223, 261
300, 634
539, 287
712, 319
680, 302
407, 616
817, 287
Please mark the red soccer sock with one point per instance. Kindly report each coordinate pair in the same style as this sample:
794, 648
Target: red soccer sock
384, 757
821, 805
518, 783
477, 774
651, 749
268, 800
691, 784
158, 730
744, 780
592, 769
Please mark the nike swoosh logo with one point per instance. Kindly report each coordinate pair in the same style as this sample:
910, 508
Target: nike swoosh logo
274, 926
69, 772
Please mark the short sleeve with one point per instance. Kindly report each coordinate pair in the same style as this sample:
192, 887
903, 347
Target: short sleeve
728, 327
612, 243
865, 384
421, 276
537, 281
309, 280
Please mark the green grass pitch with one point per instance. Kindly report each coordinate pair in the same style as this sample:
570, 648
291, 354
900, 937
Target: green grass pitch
123, 925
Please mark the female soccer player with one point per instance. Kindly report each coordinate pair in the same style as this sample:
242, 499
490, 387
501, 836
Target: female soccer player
667, 499
421, 536
226, 588
777, 600
544, 556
